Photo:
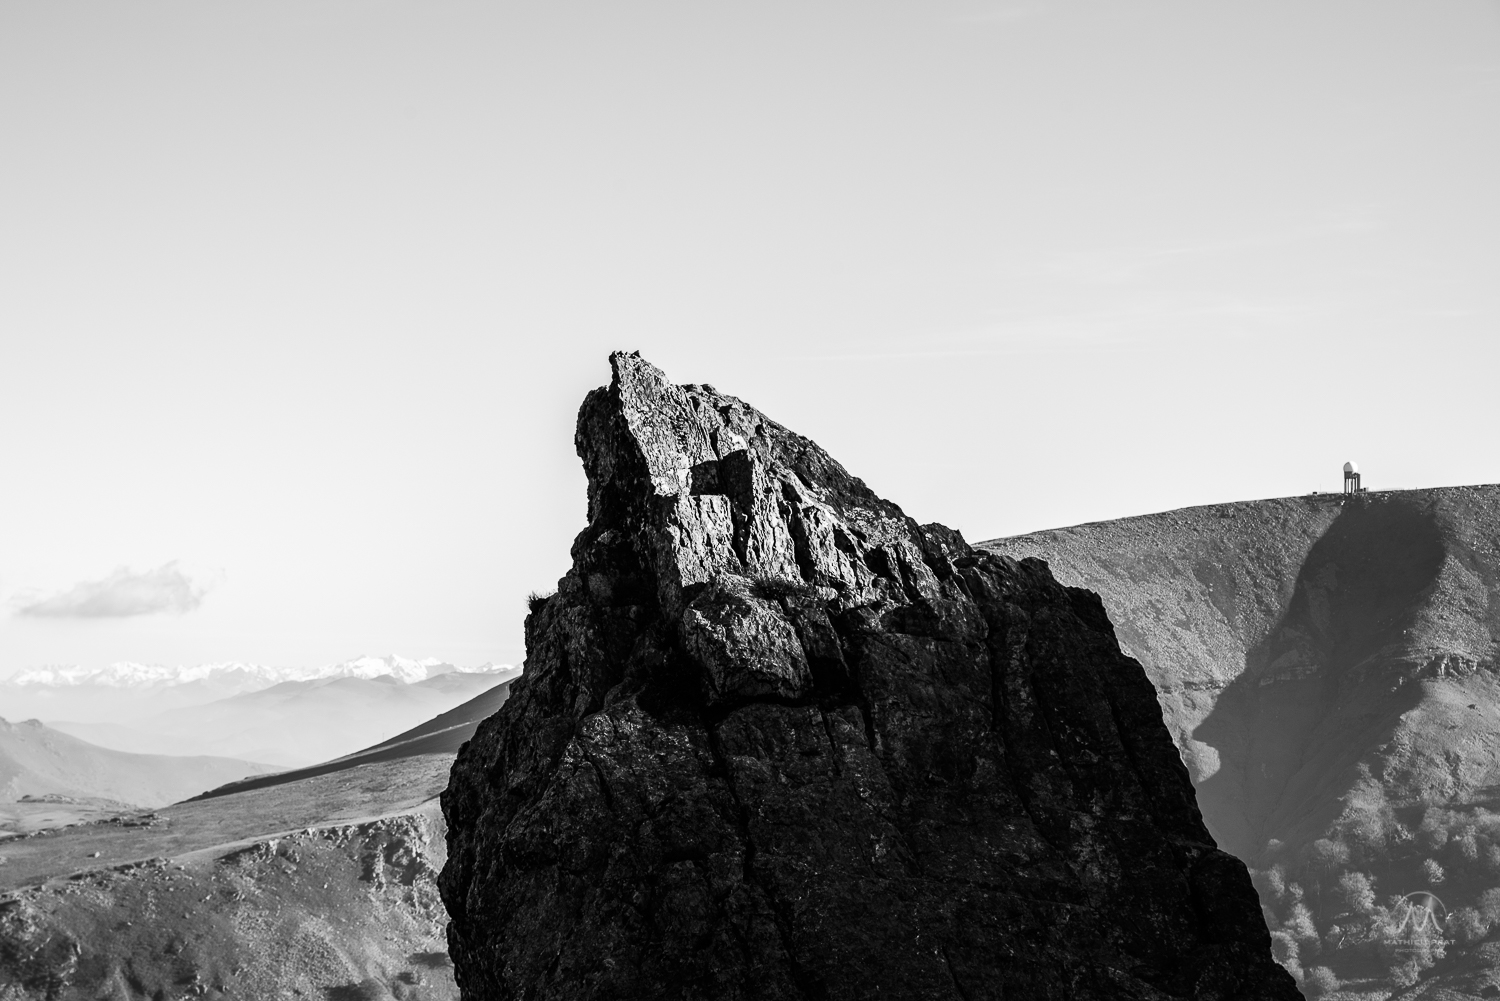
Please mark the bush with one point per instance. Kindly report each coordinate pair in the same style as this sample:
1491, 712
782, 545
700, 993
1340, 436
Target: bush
1368, 824
1324, 856
1433, 838
1427, 949
1368, 832
1320, 980
536, 599
1486, 827
1283, 947
1489, 905
1404, 974
1303, 928
1284, 951
1466, 925
1358, 892
1270, 883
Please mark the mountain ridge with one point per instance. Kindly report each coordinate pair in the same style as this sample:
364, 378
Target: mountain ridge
1327, 669
445, 733
37, 762
239, 676
292, 724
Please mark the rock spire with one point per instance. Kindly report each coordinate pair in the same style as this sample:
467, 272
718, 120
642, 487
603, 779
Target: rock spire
777, 741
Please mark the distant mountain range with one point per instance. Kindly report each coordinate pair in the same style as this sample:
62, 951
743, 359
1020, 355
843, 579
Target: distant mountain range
291, 724
443, 734
287, 717
315, 882
233, 677
39, 763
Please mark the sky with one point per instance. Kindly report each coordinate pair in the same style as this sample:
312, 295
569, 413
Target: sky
298, 300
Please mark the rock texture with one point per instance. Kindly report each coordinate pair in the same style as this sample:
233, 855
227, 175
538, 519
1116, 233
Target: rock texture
776, 740
346, 912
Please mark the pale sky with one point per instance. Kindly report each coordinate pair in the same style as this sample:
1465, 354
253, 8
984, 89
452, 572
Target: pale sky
298, 300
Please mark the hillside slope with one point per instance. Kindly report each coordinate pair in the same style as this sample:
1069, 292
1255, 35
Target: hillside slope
37, 761
1328, 672
443, 734
126, 692
317, 883
294, 723
321, 888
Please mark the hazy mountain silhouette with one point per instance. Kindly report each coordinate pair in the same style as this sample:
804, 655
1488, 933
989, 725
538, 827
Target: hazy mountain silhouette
295, 723
443, 734
37, 762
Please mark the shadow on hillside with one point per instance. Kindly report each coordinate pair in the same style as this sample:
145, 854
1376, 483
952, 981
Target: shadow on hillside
1313, 697
365, 990
443, 734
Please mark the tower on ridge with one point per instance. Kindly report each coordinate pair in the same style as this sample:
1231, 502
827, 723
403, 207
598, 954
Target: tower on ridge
1351, 479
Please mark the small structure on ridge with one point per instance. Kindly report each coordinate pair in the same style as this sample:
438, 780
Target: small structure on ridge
1351, 479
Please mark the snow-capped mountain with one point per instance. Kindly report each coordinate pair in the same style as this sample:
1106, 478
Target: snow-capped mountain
124, 674
235, 678
285, 715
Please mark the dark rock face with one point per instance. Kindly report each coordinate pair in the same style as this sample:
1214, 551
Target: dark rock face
776, 740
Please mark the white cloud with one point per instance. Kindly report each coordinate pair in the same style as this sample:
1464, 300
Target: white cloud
123, 593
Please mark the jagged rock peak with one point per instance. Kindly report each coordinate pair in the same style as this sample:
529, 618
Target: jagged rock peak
777, 741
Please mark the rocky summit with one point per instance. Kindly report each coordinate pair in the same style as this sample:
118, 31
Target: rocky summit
777, 740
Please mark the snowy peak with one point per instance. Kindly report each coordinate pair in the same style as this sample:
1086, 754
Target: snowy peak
124, 674
368, 667
234, 678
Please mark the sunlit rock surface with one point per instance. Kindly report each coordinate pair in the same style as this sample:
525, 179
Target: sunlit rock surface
776, 740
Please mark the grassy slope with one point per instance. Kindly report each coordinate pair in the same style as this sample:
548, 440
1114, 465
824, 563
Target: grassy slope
443, 734
321, 888
1328, 672
36, 760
